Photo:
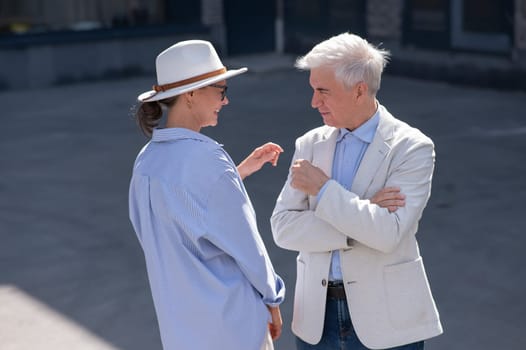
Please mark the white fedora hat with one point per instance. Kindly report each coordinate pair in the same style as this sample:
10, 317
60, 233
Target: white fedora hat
187, 66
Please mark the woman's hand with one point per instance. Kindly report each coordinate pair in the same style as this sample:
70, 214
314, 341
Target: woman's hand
269, 152
276, 324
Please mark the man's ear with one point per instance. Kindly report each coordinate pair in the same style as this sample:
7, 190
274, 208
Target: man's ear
361, 89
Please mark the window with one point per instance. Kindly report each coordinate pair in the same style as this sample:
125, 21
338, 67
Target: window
37, 16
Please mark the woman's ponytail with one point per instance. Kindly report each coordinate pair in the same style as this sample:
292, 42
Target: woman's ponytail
149, 114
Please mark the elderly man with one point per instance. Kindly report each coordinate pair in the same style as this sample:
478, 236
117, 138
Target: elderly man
356, 190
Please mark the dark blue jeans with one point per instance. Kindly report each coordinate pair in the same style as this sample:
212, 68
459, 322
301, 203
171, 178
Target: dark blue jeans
338, 332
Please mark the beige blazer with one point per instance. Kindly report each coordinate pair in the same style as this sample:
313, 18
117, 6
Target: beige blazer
388, 294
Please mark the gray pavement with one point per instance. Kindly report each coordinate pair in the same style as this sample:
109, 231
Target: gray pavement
72, 274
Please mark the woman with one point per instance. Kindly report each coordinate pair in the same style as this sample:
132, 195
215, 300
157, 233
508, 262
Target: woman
212, 281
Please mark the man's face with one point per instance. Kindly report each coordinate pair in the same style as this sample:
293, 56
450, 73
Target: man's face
335, 103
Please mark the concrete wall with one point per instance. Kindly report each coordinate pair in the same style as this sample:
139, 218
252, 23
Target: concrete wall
34, 66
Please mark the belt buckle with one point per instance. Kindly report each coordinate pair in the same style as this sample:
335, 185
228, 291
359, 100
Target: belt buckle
335, 290
335, 284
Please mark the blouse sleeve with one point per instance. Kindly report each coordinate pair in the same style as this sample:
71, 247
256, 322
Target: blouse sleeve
231, 226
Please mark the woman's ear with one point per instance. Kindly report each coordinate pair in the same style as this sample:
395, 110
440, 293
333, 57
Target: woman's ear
188, 97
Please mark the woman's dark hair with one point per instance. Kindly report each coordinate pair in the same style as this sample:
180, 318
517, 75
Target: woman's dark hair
148, 114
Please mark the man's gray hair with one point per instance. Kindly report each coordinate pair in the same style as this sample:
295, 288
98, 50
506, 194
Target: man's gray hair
352, 58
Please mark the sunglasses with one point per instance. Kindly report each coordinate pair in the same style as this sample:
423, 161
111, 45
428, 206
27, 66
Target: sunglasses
223, 87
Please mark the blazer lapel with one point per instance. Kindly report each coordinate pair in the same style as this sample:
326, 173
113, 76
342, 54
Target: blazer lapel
323, 151
375, 154
323, 155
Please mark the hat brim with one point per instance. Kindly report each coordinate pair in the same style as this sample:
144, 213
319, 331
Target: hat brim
153, 95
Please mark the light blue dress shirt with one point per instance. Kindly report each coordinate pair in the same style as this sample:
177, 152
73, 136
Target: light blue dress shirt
350, 148
210, 274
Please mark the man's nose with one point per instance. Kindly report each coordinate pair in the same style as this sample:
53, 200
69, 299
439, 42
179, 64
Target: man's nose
315, 101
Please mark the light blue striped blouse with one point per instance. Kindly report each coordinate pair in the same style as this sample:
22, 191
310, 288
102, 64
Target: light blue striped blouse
210, 274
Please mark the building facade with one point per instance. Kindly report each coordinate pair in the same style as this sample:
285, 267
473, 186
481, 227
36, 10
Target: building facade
51, 42
58, 41
482, 26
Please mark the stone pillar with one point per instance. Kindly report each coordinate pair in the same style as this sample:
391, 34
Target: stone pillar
384, 20
520, 24
279, 27
519, 45
212, 16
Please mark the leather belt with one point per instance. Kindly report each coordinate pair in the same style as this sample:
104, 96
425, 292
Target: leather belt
335, 290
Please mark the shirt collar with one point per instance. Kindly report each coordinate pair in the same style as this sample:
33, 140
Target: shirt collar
364, 132
174, 134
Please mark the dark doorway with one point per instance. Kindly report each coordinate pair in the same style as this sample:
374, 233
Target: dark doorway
427, 23
183, 12
484, 25
307, 22
467, 25
250, 26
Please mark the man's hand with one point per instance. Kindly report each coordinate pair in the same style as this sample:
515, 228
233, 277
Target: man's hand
310, 179
269, 152
390, 198
306, 177
276, 324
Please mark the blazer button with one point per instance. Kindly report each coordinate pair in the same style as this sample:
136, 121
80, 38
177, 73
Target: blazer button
324, 282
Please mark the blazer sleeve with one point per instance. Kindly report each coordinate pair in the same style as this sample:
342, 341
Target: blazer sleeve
411, 169
295, 226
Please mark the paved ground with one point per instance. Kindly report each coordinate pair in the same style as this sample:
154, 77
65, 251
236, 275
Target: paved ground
72, 275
